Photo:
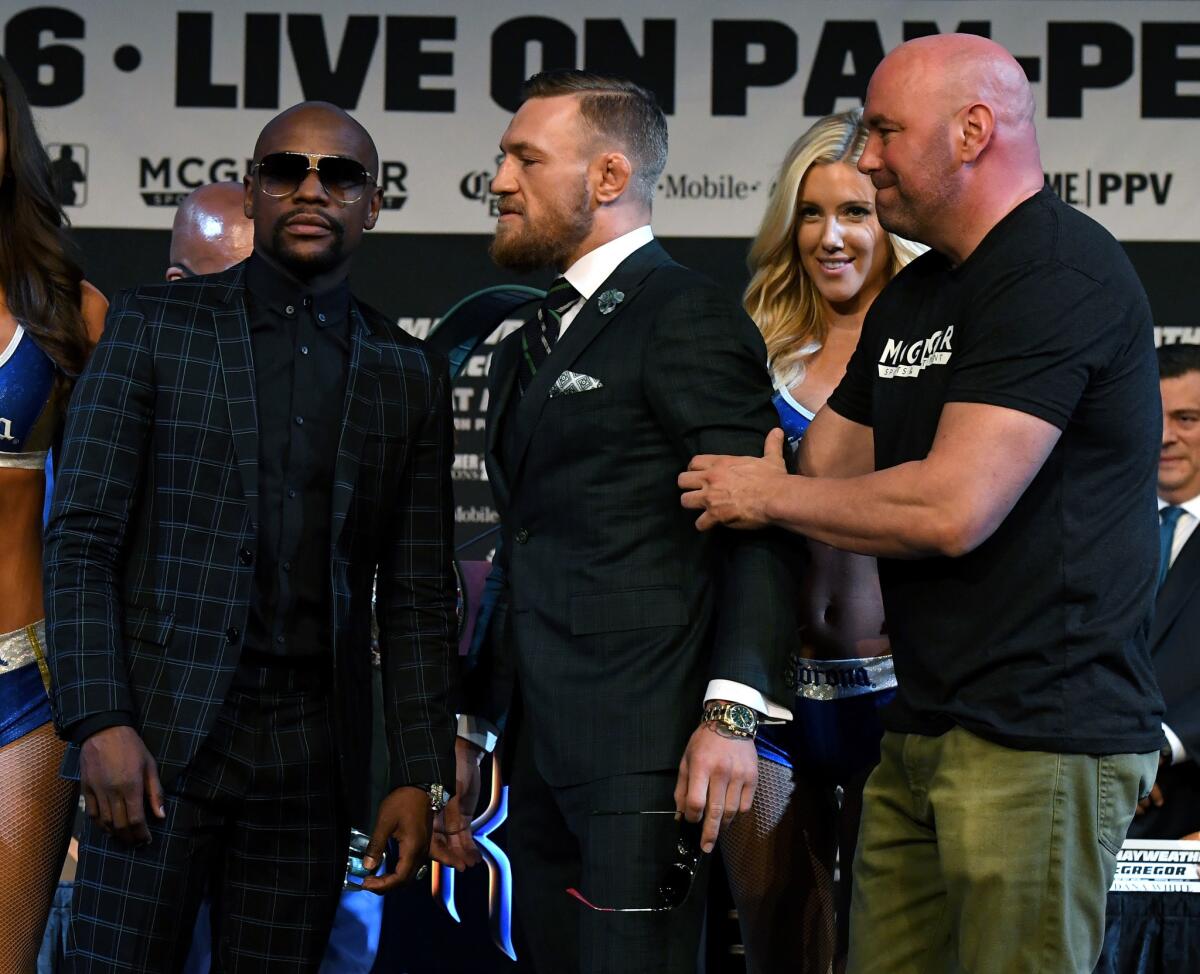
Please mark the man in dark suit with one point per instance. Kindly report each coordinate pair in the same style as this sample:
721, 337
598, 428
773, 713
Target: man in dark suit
1173, 809
619, 623
247, 454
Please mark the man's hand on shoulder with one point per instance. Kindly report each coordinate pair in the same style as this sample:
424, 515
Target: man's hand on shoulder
717, 778
406, 816
734, 491
119, 777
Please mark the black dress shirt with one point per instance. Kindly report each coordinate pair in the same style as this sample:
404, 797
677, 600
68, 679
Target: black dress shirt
301, 345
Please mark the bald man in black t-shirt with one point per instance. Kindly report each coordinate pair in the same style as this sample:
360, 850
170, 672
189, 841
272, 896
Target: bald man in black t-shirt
989, 445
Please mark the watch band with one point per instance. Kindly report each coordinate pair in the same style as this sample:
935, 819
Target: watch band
437, 796
738, 719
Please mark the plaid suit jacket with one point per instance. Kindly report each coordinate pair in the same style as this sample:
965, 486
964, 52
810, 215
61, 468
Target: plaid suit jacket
152, 534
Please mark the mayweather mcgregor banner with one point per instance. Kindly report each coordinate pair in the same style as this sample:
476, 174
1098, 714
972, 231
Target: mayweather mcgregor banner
143, 100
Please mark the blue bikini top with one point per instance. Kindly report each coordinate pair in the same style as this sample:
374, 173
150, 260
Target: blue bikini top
793, 418
28, 420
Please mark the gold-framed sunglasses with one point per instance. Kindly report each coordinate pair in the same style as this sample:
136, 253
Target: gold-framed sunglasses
281, 173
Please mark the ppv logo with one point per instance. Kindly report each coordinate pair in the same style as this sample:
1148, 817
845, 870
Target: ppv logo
905, 360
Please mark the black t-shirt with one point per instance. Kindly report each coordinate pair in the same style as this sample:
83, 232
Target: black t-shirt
1037, 638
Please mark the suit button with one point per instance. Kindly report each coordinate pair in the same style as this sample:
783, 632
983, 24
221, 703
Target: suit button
521, 536
246, 556
231, 635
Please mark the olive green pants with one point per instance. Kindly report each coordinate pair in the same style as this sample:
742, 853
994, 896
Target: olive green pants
975, 858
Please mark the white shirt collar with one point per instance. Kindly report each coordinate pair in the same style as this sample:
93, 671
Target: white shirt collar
594, 268
1192, 506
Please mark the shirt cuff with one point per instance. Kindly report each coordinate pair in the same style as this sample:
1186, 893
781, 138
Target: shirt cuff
1179, 753
81, 731
482, 733
748, 697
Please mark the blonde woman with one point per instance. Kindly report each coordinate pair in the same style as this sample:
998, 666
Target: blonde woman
819, 260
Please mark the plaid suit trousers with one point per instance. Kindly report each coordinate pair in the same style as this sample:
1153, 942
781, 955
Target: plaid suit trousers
255, 820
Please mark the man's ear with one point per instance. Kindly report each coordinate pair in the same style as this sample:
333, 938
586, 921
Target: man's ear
978, 124
248, 196
613, 173
373, 210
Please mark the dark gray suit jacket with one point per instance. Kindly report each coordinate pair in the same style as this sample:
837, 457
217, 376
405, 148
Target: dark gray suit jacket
617, 611
1175, 649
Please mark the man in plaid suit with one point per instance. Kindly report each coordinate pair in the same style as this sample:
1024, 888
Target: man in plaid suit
246, 453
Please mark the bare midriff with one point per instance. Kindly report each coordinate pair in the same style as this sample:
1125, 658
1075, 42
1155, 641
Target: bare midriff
841, 607
22, 494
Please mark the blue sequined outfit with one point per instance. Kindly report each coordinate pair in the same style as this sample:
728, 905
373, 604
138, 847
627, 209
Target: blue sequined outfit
29, 421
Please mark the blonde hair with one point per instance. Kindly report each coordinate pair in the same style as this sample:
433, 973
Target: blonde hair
780, 297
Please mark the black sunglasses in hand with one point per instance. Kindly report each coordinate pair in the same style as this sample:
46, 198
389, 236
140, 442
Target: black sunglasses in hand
678, 876
281, 173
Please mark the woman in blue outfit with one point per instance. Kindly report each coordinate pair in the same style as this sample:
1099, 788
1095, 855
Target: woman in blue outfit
49, 319
819, 260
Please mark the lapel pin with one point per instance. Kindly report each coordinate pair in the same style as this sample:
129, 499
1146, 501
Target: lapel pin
609, 300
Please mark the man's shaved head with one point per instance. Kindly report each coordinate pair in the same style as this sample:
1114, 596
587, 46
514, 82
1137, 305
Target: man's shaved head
951, 70
952, 144
211, 232
309, 113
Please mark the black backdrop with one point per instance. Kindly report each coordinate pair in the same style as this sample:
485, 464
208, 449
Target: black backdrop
424, 274
414, 278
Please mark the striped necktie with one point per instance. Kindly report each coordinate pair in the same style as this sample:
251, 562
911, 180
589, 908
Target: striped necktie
1166, 539
540, 332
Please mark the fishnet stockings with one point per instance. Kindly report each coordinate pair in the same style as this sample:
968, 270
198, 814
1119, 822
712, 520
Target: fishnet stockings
36, 812
780, 860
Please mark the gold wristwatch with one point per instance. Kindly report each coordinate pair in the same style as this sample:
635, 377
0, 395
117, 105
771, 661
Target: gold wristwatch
437, 796
736, 718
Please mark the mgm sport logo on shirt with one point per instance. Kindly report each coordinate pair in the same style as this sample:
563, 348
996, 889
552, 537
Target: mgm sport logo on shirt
905, 359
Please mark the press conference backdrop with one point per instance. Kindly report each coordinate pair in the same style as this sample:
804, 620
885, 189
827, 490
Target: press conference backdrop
143, 100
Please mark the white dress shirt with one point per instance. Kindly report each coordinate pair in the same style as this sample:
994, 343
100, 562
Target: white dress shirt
586, 275
1183, 531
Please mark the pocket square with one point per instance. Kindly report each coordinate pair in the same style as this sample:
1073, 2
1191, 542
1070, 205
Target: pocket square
570, 383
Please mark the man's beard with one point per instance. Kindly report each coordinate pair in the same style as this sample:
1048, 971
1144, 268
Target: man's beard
916, 217
305, 265
899, 218
549, 243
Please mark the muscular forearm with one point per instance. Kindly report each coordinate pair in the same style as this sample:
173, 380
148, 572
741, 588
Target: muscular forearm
895, 513
982, 459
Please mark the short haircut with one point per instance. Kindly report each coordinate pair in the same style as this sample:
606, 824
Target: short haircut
1178, 359
616, 109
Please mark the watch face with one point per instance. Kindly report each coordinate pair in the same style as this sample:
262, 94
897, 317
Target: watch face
742, 718
437, 797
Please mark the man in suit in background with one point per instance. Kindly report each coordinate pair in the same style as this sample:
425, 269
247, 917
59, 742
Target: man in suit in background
211, 231
642, 652
1173, 809
245, 453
